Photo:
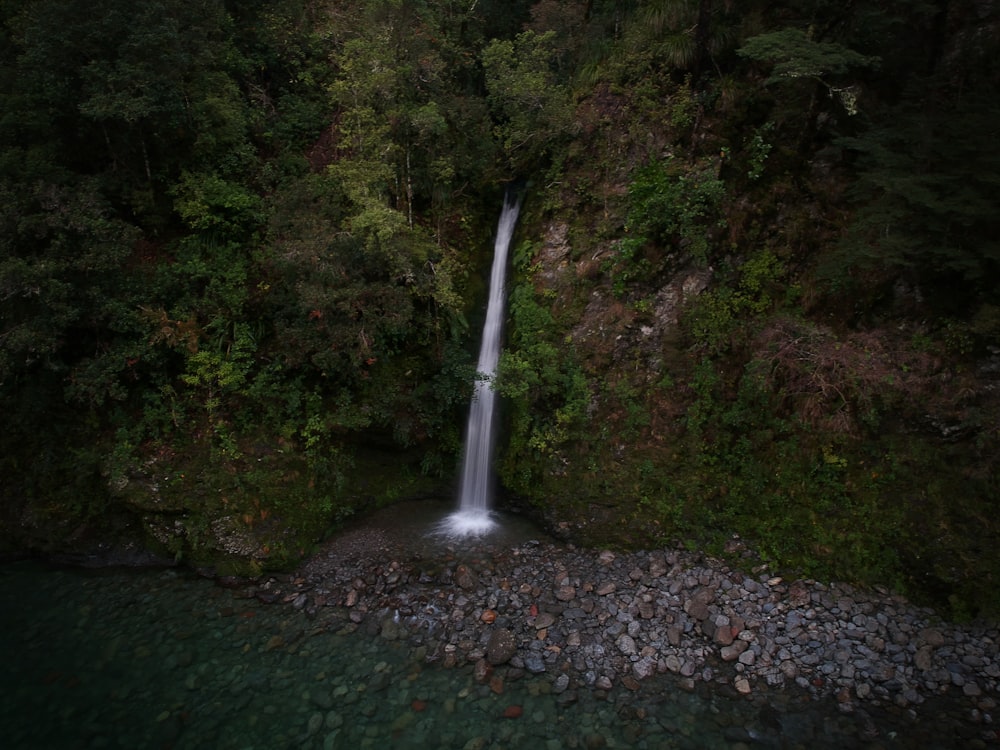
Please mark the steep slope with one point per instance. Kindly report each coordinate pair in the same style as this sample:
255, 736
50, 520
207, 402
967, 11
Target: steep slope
711, 345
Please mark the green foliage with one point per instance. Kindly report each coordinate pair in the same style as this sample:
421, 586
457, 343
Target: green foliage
758, 149
531, 107
685, 35
670, 206
815, 506
408, 135
209, 203
669, 201
794, 54
170, 269
683, 107
718, 314
134, 88
546, 393
925, 196
221, 372
60, 254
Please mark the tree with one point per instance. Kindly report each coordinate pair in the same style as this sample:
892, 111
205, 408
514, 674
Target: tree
689, 34
532, 108
794, 56
61, 252
926, 197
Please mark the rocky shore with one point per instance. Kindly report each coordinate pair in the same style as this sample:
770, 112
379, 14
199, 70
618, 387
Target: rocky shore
596, 619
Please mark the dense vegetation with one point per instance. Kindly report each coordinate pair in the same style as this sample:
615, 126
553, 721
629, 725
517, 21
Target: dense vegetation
755, 286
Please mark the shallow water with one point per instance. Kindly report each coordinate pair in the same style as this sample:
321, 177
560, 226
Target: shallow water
162, 659
424, 529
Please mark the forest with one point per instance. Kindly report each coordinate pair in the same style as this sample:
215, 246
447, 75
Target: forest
753, 304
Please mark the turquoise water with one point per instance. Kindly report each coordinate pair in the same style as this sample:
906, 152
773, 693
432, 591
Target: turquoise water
124, 659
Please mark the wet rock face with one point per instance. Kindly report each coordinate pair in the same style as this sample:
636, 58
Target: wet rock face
597, 619
681, 290
554, 256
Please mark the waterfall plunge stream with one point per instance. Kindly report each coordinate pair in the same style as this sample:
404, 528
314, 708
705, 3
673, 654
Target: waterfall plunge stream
474, 515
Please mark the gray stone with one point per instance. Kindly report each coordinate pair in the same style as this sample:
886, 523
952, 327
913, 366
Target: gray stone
971, 689
931, 637
629, 616
565, 593
315, 722
697, 610
674, 635
333, 720
697, 605
322, 698
924, 658
718, 629
390, 629
626, 644
544, 620
534, 663
645, 667
732, 652
465, 578
561, 683
501, 647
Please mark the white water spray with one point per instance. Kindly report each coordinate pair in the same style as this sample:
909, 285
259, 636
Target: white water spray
474, 515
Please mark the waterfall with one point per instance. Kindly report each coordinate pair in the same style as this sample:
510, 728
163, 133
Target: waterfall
476, 490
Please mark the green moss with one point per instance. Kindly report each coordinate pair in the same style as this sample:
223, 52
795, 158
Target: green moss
261, 504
